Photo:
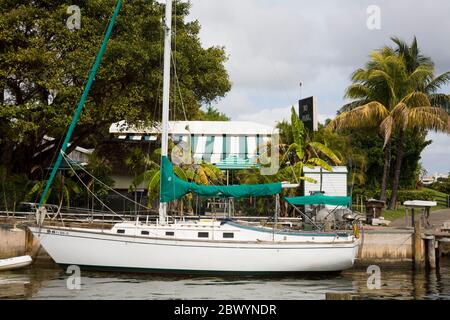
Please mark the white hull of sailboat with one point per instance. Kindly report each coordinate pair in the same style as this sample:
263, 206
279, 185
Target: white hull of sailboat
106, 251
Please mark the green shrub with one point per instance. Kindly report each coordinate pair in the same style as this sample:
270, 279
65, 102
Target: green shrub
443, 185
404, 195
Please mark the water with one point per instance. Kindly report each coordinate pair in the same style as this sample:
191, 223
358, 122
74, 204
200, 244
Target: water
396, 283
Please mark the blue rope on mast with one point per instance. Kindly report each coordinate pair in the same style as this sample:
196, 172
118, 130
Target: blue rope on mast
81, 102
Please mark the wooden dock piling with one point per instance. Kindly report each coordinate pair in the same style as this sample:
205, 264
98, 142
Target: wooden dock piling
28, 242
430, 251
439, 248
417, 245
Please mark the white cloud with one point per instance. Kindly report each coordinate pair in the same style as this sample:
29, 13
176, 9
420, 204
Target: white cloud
273, 45
267, 116
436, 157
272, 116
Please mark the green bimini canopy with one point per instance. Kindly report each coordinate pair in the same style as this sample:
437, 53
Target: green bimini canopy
173, 187
319, 199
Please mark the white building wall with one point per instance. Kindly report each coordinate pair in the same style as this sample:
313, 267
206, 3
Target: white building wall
333, 183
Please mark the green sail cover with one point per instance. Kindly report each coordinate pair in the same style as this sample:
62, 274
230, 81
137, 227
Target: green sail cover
319, 199
172, 187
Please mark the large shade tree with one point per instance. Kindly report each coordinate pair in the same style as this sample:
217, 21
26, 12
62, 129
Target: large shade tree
44, 65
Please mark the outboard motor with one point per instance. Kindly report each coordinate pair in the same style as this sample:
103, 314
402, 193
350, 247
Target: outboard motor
324, 215
344, 214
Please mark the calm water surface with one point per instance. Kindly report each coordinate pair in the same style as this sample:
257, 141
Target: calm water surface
396, 283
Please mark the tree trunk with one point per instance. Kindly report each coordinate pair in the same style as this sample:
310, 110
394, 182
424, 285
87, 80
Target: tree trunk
398, 167
387, 164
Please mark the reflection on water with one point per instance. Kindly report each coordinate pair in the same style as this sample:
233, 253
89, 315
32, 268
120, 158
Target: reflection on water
396, 283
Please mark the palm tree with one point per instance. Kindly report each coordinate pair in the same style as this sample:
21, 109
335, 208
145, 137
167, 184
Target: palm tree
428, 97
303, 152
354, 158
387, 97
413, 59
380, 81
297, 151
200, 173
135, 162
415, 112
64, 186
98, 168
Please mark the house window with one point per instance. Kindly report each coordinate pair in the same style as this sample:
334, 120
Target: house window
203, 234
228, 235
120, 230
145, 233
170, 233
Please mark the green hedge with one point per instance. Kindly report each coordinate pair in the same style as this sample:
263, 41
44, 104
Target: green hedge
404, 195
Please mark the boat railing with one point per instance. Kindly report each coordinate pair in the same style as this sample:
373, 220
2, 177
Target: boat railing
85, 216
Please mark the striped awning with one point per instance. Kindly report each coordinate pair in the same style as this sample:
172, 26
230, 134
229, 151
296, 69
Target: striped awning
228, 144
237, 151
137, 137
231, 152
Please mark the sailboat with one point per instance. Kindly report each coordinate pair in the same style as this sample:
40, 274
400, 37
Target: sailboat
202, 246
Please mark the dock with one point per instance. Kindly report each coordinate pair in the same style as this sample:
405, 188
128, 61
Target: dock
420, 243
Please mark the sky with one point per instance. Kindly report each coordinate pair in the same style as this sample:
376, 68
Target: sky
272, 46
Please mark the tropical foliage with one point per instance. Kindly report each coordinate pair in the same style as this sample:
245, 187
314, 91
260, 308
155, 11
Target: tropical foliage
13, 189
303, 151
63, 188
198, 172
394, 93
442, 185
355, 159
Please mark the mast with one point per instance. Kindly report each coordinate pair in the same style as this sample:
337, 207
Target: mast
166, 96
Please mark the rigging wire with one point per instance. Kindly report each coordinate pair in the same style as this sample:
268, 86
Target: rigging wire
45, 176
178, 86
101, 182
176, 80
93, 194
157, 111
174, 37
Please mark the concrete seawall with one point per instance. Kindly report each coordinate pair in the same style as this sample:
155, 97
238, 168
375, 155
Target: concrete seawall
386, 246
13, 243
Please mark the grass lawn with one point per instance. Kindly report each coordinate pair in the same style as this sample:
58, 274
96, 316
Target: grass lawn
400, 212
437, 193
